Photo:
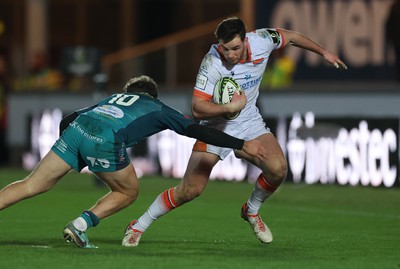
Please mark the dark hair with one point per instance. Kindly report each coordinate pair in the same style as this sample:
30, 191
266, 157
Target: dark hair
229, 28
142, 84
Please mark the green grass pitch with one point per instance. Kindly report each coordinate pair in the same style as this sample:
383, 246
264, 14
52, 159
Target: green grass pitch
314, 226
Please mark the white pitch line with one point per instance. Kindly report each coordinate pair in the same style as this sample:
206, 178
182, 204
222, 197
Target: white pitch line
40, 246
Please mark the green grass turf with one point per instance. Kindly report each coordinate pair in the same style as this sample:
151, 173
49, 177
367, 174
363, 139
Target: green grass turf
314, 227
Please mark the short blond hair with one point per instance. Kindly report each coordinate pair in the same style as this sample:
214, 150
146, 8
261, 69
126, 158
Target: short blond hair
142, 84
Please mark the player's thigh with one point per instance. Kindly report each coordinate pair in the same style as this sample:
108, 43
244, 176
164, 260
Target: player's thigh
275, 157
124, 180
47, 173
199, 169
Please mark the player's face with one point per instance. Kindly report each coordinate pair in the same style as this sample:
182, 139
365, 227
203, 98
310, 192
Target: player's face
234, 50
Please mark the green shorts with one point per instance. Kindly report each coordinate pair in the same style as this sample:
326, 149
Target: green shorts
89, 142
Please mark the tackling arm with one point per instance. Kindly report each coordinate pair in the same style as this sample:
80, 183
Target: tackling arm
221, 139
213, 136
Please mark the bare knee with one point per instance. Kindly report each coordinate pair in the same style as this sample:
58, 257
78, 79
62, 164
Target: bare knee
130, 196
281, 171
186, 193
277, 173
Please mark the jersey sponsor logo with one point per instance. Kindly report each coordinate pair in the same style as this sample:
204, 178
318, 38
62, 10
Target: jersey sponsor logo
96, 162
112, 111
250, 84
82, 131
263, 33
201, 81
276, 37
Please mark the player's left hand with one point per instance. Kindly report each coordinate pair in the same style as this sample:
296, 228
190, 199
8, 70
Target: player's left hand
335, 61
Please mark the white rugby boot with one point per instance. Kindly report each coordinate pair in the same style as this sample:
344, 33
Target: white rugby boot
132, 236
260, 229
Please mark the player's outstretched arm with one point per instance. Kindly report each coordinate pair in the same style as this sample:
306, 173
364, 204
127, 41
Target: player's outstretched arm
221, 139
299, 40
218, 138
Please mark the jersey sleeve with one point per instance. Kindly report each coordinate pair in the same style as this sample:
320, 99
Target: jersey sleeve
272, 37
208, 75
175, 121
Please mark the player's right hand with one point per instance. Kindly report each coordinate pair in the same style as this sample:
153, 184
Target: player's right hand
334, 60
255, 149
238, 102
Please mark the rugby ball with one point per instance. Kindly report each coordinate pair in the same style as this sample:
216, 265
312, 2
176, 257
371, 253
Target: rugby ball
223, 93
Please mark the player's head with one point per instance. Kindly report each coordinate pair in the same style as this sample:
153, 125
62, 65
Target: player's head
142, 84
231, 34
229, 28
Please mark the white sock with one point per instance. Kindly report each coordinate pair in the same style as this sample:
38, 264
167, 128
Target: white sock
256, 200
80, 224
163, 204
263, 189
146, 220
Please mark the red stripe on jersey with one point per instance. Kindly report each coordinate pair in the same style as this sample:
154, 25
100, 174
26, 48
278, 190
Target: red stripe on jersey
219, 48
258, 61
283, 38
248, 49
202, 95
200, 146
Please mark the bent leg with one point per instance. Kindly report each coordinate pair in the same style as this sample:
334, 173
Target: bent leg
274, 172
46, 174
192, 185
124, 187
196, 176
274, 167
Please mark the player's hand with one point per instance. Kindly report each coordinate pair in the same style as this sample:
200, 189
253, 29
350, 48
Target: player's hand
238, 102
255, 149
334, 60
